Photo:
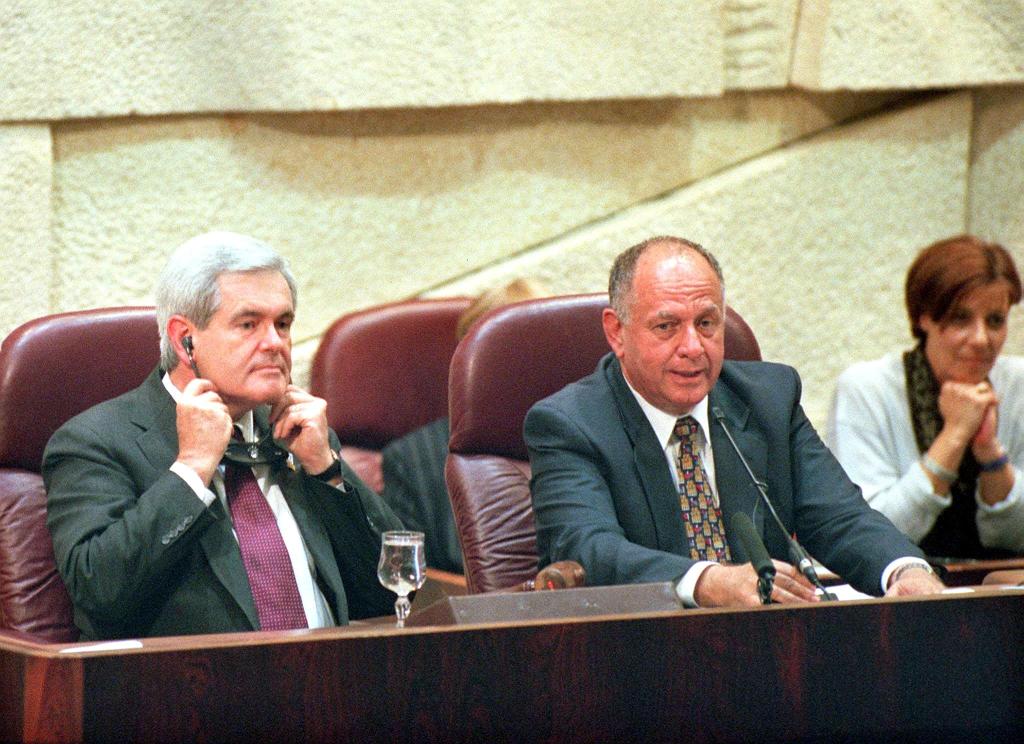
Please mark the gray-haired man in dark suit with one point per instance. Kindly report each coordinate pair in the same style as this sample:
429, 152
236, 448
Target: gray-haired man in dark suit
162, 524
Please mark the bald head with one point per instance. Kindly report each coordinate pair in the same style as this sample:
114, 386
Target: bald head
620, 281
667, 322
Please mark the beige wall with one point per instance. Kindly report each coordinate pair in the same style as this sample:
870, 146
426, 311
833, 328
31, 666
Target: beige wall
443, 146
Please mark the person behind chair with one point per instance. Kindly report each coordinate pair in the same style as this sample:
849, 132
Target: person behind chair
633, 475
413, 465
211, 498
935, 435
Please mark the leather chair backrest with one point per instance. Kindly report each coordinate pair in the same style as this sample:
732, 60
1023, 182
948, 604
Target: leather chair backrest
512, 358
384, 372
51, 369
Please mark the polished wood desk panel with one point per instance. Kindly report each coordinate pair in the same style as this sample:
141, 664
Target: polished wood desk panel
961, 573
941, 668
972, 573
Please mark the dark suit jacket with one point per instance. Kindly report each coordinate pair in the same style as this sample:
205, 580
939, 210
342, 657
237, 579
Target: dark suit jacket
141, 555
603, 494
415, 489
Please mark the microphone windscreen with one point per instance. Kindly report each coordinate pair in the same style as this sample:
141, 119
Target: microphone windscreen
743, 529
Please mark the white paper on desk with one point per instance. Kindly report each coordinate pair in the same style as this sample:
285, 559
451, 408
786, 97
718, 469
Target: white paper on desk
846, 592
104, 646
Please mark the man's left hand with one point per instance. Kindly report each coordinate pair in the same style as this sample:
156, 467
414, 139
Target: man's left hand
912, 581
300, 422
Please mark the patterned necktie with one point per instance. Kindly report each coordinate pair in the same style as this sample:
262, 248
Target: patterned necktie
702, 518
264, 554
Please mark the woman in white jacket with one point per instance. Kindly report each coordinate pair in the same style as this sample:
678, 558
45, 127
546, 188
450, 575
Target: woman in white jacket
934, 436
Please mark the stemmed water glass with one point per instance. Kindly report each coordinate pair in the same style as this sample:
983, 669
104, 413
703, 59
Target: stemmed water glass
402, 567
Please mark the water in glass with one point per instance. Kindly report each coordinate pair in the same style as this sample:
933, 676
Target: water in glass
402, 567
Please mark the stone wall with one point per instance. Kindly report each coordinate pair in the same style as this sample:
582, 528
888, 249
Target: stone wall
442, 146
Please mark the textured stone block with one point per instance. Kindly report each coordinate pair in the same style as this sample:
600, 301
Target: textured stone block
814, 239
375, 206
997, 166
26, 257
758, 42
859, 45
997, 180
73, 58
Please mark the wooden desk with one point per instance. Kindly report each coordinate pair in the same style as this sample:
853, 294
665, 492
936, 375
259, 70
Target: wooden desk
962, 572
972, 573
934, 668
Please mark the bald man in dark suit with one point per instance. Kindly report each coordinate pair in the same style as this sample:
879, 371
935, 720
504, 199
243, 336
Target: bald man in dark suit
633, 476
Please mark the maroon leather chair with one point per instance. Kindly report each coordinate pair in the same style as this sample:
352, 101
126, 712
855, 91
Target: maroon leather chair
384, 372
51, 369
512, 358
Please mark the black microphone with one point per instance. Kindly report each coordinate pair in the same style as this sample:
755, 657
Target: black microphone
797, 556
744, 529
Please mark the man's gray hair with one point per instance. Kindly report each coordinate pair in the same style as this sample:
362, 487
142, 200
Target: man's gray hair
620, 280
188, 284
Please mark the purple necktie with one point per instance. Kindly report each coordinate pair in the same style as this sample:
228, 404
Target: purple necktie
702, 518
264, 554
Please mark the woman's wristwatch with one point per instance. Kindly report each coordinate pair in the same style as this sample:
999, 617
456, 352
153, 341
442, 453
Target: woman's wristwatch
994, 465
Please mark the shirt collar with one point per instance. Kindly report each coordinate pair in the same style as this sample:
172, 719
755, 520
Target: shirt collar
244, 422
664, 423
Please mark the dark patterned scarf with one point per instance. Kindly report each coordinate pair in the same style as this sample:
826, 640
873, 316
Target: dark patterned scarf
955, 533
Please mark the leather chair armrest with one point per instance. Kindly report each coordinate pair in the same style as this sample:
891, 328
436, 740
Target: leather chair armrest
450, 583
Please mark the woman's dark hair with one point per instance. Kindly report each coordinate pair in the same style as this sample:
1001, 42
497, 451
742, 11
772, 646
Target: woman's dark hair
946, 271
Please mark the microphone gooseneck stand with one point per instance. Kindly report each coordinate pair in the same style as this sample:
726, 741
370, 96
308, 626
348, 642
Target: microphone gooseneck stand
797, 556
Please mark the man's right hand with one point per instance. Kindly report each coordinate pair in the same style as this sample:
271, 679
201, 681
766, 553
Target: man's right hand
913, 581
204, 428
736, 586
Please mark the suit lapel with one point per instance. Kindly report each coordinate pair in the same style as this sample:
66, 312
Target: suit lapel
736, 493
314, 534
159, 443
225, 558
155, 416
651, 466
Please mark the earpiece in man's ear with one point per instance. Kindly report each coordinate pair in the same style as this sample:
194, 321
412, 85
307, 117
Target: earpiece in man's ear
186, 342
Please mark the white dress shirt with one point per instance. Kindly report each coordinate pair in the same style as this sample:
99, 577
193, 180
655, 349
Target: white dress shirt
663, 424
314, 604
